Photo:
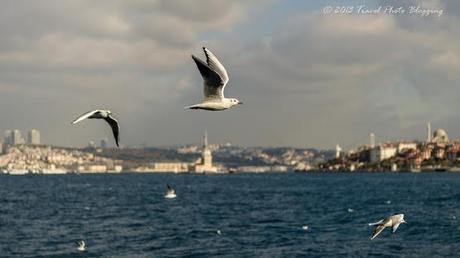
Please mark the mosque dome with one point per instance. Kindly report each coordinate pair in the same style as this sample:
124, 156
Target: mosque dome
440, 135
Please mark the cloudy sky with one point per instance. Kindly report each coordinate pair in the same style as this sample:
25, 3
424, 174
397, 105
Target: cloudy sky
307, 78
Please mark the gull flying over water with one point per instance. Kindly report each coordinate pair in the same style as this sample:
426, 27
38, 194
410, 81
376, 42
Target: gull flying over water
80, 245
215, 79
392, 221
102, 114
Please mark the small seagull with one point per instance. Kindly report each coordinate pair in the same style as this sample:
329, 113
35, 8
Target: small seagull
392, 221
80, 245
305, 227
215, 79
170, 192
388, 202
218, 232
350, 210
102, 114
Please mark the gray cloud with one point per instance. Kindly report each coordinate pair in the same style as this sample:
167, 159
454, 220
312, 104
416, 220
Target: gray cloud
313, 80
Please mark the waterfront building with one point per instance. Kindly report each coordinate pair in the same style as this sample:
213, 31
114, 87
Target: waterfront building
439, 152
33, 137
453, 151
176, 167
404, 146
99, 168
382, 152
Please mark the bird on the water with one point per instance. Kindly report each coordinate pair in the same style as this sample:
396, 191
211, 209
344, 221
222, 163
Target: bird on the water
81, 246
392, 221
215, 78
102, 114
170, 192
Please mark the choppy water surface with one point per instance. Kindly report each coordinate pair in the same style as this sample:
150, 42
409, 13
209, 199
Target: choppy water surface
259, 215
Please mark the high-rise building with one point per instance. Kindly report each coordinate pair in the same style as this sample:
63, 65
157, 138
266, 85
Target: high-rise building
16, 137
33, 137
7, 137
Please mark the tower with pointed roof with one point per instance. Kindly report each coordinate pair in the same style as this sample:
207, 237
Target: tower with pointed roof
205, 163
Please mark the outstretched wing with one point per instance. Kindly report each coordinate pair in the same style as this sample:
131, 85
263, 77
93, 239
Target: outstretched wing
215, 65
84, 116
395, 227
115, 127
376, 223
377, 231
214, 75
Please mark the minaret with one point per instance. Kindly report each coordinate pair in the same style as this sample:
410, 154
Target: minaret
428, 127
205, 139
372, 140
206, 155
337, 151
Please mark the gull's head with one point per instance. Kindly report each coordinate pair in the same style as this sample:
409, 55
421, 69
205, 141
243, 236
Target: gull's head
402, 218
235, 102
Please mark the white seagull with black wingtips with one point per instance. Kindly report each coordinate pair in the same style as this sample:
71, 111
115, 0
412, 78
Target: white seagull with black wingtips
102, 114
392, 221
215, 79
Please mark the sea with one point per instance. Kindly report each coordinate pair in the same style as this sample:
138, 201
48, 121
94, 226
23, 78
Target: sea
231, 215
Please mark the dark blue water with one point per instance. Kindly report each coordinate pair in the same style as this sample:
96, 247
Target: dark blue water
259, 215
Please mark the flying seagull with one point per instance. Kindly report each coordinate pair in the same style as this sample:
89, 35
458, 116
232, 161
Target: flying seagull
170, 192
215, 79
102, 114
80, 245
392, 221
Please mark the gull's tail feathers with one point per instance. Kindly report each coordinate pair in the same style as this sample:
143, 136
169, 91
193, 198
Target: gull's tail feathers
197, 106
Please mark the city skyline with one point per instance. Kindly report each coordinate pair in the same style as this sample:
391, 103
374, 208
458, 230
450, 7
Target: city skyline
33, 137
390, 75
